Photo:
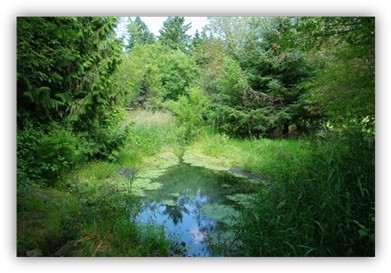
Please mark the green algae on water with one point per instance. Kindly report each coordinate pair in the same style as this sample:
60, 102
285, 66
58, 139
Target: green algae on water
205, 161
246, 200
170, 203
224, 213
175, 194
142, 184
153, 168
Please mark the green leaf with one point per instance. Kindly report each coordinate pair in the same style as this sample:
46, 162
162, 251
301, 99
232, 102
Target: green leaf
29, 94
362, 232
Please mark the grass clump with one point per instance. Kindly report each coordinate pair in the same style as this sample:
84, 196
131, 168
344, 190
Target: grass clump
152, 133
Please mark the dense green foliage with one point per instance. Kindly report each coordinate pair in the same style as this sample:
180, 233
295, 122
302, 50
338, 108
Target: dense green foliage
65, 70
262, 90
290, 99
64, 66
189, 110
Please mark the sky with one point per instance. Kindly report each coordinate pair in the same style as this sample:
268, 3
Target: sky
156, 23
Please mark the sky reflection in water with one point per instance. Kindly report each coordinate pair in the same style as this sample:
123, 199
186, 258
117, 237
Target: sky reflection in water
190, 188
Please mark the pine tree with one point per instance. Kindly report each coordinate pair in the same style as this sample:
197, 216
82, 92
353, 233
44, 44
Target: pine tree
261, 89
138, 34
277, 73
173, 33
197, 41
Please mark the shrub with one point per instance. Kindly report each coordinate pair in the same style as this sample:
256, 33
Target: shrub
104, 136
180, 72
44, 154
189, 111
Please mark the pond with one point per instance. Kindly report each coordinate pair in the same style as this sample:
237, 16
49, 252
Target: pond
196, 204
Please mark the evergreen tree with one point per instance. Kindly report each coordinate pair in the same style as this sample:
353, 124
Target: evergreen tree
196, 40
277, 73
138, 34
345, 88
261, 89
64, 65
173, 33
64, 74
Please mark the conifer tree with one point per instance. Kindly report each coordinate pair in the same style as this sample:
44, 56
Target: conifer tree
173, 33
138, 34
64, 65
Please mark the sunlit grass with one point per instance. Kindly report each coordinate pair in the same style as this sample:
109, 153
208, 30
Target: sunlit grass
152, 133
259, 156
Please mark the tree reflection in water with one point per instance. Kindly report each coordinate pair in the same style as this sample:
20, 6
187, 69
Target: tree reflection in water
190, 188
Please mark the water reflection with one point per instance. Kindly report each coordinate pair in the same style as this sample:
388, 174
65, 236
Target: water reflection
178, 204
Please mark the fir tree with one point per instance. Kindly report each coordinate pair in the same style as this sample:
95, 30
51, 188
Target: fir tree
138, 34
173, 33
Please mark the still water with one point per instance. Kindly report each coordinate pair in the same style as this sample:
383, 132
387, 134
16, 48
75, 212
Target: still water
180, 205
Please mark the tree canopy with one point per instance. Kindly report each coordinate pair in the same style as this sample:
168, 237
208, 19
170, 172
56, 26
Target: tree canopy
345, 86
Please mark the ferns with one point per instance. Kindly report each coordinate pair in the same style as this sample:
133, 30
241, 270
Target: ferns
63, 69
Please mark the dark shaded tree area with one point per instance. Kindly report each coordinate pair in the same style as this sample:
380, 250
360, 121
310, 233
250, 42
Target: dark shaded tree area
289, 74
64, 66
260, 91
65, 88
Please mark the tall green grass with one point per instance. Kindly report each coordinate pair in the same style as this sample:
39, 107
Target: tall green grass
320, 200
259, 156
152, 133
320, 205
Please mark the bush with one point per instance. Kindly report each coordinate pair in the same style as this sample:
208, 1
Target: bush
104, 136
44, 154
180, 72
189, 112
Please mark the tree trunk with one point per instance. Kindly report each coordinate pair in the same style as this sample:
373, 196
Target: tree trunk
285, 131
